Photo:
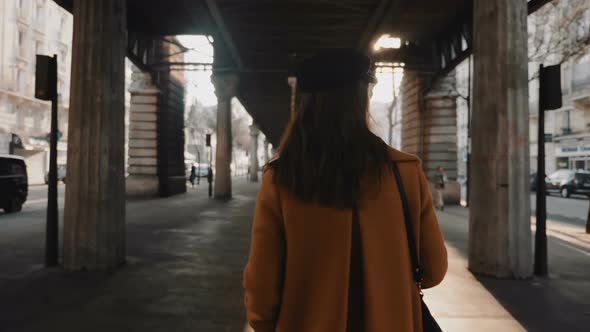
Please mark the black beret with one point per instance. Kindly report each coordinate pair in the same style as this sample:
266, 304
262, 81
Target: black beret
334, 69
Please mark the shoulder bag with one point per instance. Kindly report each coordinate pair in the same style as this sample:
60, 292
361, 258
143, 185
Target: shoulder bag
428, 322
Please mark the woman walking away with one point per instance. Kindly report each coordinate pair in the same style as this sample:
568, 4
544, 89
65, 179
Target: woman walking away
330, 250
193, 175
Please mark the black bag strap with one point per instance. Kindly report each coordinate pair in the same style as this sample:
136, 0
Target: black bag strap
416, 269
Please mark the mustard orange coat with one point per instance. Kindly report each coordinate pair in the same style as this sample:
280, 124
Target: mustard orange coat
296, 279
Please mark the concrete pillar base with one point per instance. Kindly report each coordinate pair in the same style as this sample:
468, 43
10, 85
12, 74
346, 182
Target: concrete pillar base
254, 132
142, 186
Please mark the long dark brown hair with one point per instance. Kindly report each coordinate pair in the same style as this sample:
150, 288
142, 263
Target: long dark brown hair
328, 147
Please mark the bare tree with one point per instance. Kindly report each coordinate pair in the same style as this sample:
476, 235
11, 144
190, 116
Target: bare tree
558, 32
241, 130
201, 120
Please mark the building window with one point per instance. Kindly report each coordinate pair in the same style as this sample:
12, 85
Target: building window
39, 13
20, 81
566, 127
21, 44
62, 25
38, 48
63, 55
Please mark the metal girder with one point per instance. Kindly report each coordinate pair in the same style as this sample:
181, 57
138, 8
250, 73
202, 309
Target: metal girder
142, 49
534, 5
384, 10
454, 45
374, 22
414, 56
227, 38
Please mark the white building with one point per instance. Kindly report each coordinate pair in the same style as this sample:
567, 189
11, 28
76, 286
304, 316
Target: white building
31, 27
569, 126
567, 130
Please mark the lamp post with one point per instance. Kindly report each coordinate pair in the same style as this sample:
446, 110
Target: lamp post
46, 89
549, 99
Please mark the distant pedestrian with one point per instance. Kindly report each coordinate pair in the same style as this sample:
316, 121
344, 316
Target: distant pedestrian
440, 179
193, 175
330, 249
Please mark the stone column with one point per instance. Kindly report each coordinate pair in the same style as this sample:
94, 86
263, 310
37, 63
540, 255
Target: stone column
143, 145
266, 154
292, 80
499, 232
412, 106
225, 89
94, 213
254, 132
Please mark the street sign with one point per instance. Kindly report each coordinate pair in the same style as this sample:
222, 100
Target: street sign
59, 136
550, 87
548, 138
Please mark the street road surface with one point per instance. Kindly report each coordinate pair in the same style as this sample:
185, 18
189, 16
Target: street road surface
571, 210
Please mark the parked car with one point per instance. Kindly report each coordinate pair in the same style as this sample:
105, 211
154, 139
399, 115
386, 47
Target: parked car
567, 182
533, 181
202, 170
61, 174
14, 183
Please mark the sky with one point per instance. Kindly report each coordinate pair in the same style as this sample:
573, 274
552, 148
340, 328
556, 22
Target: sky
200, 86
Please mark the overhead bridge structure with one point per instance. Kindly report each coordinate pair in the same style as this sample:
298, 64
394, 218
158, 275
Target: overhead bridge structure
257, 45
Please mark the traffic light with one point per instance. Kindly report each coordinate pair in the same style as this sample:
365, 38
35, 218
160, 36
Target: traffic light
46, 77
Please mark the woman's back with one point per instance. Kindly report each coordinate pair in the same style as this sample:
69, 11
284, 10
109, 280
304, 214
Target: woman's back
297, 278
312, 268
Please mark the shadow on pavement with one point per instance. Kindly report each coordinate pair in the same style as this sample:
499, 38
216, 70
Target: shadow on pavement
183, 273
558, 303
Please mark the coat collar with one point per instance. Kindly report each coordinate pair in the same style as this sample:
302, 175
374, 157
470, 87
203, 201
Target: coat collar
394, 154
397, 155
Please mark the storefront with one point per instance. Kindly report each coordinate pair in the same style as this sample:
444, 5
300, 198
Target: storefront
573, 155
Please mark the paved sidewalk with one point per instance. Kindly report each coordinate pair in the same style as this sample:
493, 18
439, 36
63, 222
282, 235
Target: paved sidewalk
186, 255
185, 258
560, 302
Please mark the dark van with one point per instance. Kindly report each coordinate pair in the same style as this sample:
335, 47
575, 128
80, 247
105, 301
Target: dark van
569, 181
14, 184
